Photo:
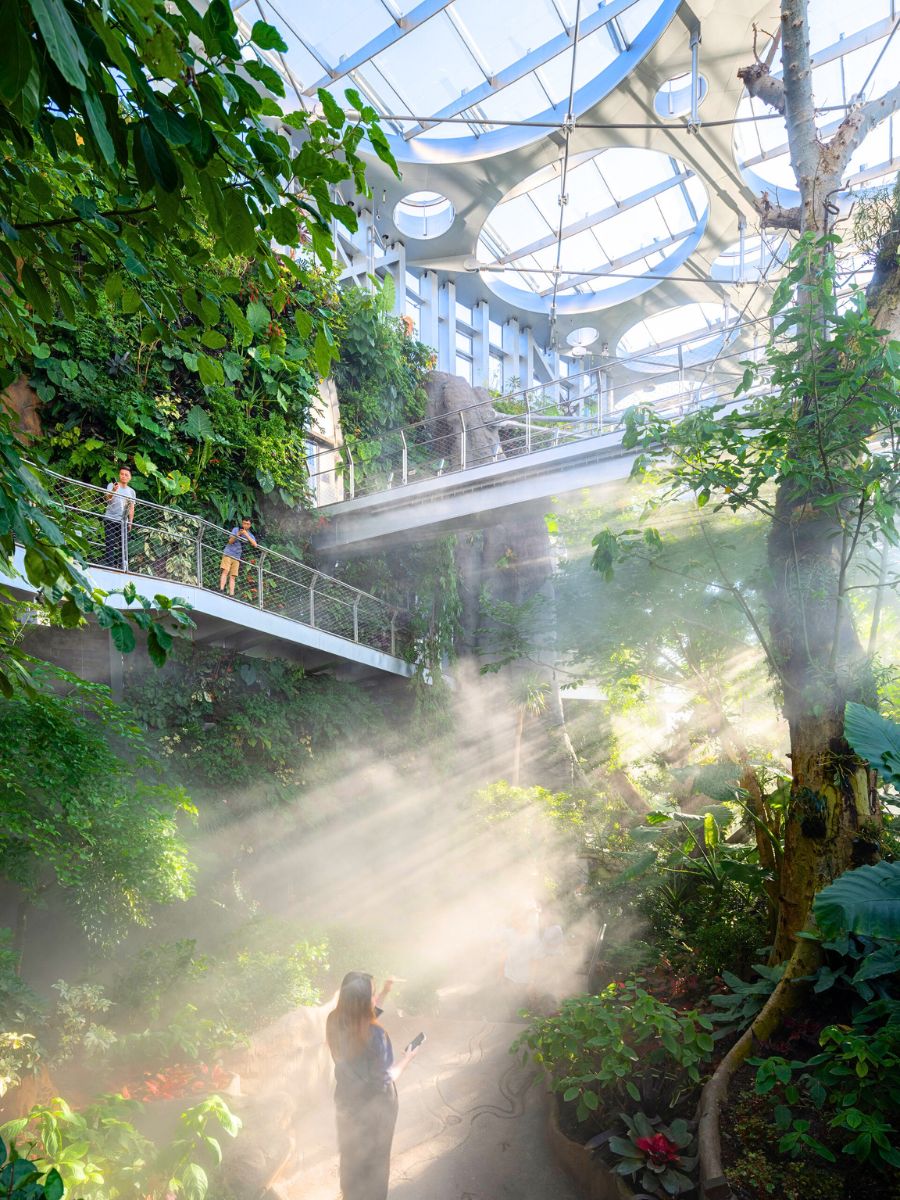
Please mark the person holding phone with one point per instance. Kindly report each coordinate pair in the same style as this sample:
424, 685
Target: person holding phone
233, 552
117, 519
365, 1092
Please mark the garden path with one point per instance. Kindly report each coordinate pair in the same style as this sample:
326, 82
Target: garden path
471, 1126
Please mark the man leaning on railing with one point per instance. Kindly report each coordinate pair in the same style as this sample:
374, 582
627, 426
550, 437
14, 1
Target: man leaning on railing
117, 520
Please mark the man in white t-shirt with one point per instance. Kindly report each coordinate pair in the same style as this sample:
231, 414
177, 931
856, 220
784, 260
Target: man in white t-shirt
120, 499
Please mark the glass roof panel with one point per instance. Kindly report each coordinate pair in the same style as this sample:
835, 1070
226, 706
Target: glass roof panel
846, 42
488, 62
502, 42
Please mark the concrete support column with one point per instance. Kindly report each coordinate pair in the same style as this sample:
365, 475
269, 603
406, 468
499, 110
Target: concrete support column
481, 344
526, 357
428, 314
511, 355
447, 327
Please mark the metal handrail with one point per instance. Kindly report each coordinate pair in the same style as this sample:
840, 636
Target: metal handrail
167, 543
443, 444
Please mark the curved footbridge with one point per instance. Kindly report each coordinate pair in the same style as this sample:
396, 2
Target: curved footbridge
281, 606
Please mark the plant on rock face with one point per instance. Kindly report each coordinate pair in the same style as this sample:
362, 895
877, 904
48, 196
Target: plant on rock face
655, 1152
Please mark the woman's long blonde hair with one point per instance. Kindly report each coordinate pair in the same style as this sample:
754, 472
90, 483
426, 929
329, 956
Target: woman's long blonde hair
348, 1024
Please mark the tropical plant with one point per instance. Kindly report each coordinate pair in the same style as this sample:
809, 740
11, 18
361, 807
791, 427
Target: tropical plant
87, 819
101, 1155
656, 1153
623, 1050
865, 900
21, 1179
854, 1081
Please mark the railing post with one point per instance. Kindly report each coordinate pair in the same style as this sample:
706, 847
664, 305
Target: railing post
394, 632
463, 438
356, 618
312, 599
259, 578
404, 471
123, 535
198, 549
351, 472
527, 424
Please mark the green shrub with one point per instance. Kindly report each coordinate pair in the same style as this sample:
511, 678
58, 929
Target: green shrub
621, 1051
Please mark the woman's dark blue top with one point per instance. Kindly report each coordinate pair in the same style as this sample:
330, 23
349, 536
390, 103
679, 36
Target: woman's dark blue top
368, 1074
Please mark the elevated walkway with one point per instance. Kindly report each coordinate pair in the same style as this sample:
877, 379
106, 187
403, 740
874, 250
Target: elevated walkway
473, 466
281, 606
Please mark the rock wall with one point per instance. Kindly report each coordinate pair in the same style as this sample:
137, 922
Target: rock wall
22, 401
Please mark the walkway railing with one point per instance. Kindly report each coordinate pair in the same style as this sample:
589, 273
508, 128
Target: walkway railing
166, 543
558, 413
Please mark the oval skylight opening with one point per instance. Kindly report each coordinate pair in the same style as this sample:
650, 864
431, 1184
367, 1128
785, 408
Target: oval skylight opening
851, 48
631, 217
690, 335
582, 337
674, 98
758, 256
424, 215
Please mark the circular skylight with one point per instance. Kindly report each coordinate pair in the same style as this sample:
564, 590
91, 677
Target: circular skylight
424, 215
583, 336
631, 217
845, 41
447, 74
674, 97
687, 336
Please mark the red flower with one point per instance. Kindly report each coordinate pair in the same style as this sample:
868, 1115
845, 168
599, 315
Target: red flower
658, 1149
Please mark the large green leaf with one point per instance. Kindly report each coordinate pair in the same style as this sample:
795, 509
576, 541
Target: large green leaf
875, 739
16, 60
865, 900
62, 41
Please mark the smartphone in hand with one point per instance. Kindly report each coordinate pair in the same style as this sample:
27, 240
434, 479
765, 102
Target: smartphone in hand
415, 1043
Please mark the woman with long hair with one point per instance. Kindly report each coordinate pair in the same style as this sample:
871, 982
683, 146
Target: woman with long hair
365, 1093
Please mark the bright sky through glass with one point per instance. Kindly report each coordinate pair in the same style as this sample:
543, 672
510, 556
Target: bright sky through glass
628, 210
485, 60
846, 40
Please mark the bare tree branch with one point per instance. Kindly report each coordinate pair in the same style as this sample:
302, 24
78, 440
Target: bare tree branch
857, 125
776, 216
764, 86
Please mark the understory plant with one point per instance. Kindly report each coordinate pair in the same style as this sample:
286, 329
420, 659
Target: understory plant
99, 1154
853, 1084
656, 1153
621, 1051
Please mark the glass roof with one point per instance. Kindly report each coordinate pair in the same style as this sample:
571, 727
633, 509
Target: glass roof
630, 213
686, 336
481, 64
850, 52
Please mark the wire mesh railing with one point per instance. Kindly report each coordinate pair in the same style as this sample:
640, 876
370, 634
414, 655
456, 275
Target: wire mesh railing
165, 543
558, 413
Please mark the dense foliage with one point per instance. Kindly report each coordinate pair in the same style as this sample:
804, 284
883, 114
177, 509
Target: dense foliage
80, 810
259, 723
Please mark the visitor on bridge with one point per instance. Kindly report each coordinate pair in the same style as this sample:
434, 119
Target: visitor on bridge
231, 555
117, 520
365, 1093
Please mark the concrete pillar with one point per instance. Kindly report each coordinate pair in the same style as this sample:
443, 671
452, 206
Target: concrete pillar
447, 328
481, 344
526, 357
511, 356
428, 314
